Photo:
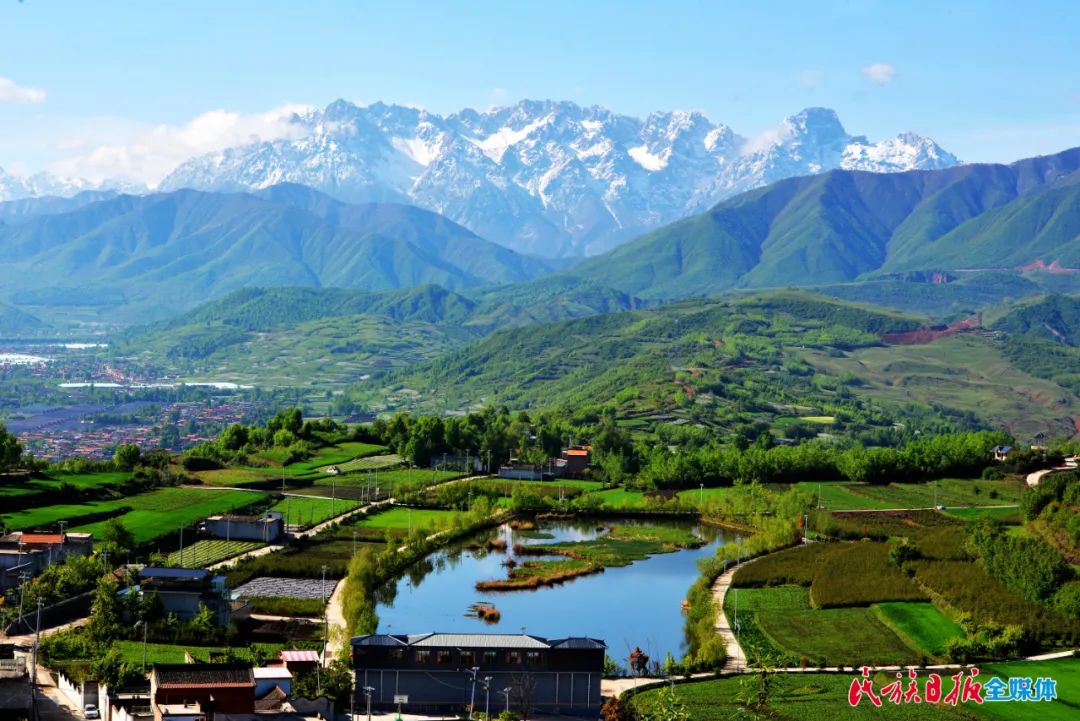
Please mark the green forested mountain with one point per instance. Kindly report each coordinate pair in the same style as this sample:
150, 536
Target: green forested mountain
14, 322
160, 254
793, 361
846, 225
1054, 318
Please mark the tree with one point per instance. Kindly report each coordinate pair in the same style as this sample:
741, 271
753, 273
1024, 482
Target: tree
116, 538
106, 612
127, 457
112, 671
668, 707
11, 450
522, 688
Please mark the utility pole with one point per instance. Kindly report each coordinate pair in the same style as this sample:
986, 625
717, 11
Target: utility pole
326, 616
181, 547
487, 696
368, 690
701, 495
506, 692
23, 578
37, 644
472, 698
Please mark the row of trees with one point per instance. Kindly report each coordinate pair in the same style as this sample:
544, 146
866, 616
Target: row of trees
286, 430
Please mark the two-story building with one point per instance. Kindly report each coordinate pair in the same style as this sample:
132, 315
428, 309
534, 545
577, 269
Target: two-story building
183, 590
433, 671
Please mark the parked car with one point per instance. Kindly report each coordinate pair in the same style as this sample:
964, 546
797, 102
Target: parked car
90, 711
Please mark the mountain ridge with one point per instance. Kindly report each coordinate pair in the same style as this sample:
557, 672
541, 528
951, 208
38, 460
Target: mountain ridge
545, 177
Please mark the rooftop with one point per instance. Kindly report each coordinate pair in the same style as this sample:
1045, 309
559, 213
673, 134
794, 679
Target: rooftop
203, 675
300, 656
49, 538
271, 672
475, 640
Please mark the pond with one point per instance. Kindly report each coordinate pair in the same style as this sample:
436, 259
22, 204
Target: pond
628, 606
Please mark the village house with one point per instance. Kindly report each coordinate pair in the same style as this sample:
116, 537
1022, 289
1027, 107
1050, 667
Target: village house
573, 462
267, 528
31, 553
182, 591
201, 692
560, 676
1001, 453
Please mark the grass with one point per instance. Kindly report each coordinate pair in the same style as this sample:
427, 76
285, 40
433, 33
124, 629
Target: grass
132, 652
831, 636
403, 518
147, 515
813, 697
53, 480
1065, 671
208, 552
1009, 516
921, 624
622, 498
307, 512
365, 463
851, 496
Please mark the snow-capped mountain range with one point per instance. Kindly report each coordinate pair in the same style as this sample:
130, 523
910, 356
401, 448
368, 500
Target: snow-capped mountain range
545, 177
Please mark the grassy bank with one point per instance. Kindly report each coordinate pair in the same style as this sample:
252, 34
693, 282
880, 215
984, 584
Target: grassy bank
621, 546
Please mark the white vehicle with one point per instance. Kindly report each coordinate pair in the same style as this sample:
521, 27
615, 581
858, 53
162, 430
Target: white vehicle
90, 711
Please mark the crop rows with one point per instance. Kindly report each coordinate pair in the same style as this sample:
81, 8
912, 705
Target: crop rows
208, 552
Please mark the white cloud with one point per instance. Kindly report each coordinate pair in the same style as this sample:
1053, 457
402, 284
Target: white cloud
879, 73
150, 154
12, 92
766, 139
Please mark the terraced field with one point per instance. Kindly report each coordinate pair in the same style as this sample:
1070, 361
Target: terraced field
147, 515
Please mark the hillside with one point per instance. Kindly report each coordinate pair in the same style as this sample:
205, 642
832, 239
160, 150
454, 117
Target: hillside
300, 336
160, 254
17, 323
846, 225
788, 360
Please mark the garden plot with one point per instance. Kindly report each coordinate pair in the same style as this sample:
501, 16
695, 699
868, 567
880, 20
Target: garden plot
268, 587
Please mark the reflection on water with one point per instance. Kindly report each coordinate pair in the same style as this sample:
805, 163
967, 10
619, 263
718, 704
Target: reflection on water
636, 605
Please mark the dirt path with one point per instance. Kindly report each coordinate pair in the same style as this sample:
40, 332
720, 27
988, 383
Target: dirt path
736, 659
1034, 478
335, 623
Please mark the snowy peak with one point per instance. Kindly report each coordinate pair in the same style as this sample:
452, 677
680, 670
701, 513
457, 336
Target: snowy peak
544, 177
907, 151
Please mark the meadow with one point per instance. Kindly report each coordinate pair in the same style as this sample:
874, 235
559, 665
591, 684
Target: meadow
147, 515
920, 624
851, 496
823, 697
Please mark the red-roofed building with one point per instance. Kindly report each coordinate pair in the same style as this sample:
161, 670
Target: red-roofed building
31, 553
299, 661
199, 691
574, 461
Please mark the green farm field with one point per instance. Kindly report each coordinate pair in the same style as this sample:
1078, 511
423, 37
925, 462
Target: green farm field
921, 624
306, 512
132, 652
152, 514
823, 697
850, 496
836, 635
1065, 671
400, 518
209, 551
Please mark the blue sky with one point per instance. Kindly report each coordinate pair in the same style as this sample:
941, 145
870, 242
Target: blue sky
100, 87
